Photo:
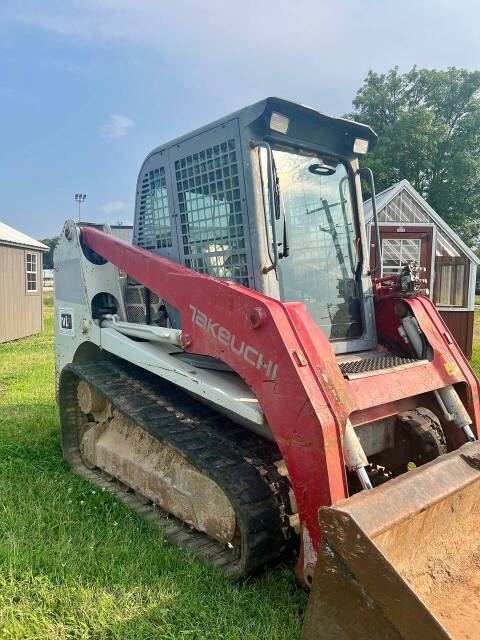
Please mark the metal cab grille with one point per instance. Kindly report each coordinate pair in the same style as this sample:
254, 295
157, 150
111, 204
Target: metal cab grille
135, 303
211, 217
154, 222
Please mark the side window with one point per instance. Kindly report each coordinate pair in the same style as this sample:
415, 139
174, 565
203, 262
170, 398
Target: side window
451, 281
154, 229
31, 271
211, 220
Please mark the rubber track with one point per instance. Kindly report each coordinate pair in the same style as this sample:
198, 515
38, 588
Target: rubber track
225, 452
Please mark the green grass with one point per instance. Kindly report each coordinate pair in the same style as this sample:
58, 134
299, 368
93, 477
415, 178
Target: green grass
77, 563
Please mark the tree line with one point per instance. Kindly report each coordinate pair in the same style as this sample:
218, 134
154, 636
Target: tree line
428, 126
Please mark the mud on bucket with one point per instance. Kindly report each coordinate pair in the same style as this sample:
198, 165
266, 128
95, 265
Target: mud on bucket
403, 560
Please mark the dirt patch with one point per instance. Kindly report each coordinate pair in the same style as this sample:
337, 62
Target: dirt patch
154, 470
437, 552
93, 403
457, 603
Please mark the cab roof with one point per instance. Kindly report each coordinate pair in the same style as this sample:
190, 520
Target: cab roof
260, 110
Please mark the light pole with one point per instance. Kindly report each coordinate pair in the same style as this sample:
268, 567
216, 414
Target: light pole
80, 198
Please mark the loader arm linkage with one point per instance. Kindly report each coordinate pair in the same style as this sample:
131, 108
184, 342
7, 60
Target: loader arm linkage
291, 368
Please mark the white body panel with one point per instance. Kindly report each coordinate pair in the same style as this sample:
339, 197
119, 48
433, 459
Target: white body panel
77, 281
221, 389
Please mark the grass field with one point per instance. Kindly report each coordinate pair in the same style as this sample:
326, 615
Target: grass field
76, 563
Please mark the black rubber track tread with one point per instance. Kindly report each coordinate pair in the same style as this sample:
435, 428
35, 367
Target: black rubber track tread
425, 430
237, 460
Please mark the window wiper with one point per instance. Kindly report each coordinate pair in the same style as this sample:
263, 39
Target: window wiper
286, 249
276, 190
277, 204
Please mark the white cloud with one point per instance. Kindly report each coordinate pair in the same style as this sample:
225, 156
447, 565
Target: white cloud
115, 207
227, 53
117, 127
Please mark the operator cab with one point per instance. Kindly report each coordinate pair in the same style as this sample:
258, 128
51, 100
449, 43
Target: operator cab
270, 198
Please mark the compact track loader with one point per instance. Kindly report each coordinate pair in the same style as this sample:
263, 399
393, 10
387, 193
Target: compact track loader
241, 377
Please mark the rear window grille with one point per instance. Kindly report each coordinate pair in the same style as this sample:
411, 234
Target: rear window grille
135, 303
211, 218
154, 229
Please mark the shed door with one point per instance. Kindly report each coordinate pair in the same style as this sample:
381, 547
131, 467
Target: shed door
401, 246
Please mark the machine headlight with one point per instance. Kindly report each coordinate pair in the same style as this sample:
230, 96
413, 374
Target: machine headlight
360, 146
279, 123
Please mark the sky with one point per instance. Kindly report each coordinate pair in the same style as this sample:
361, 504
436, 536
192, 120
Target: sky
89, 87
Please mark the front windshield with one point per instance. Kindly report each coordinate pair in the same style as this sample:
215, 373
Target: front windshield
321, 265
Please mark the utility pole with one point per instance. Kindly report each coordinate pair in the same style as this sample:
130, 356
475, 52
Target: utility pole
80, 198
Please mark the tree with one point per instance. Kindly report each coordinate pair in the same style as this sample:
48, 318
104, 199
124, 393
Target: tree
48, 256
428, 123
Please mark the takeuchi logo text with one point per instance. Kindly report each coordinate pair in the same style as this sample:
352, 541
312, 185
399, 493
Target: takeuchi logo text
239, 347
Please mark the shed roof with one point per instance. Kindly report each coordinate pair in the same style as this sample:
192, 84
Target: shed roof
386, 196
12, 236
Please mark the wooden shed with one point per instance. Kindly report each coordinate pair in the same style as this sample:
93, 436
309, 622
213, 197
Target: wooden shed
411, 230
21, 297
